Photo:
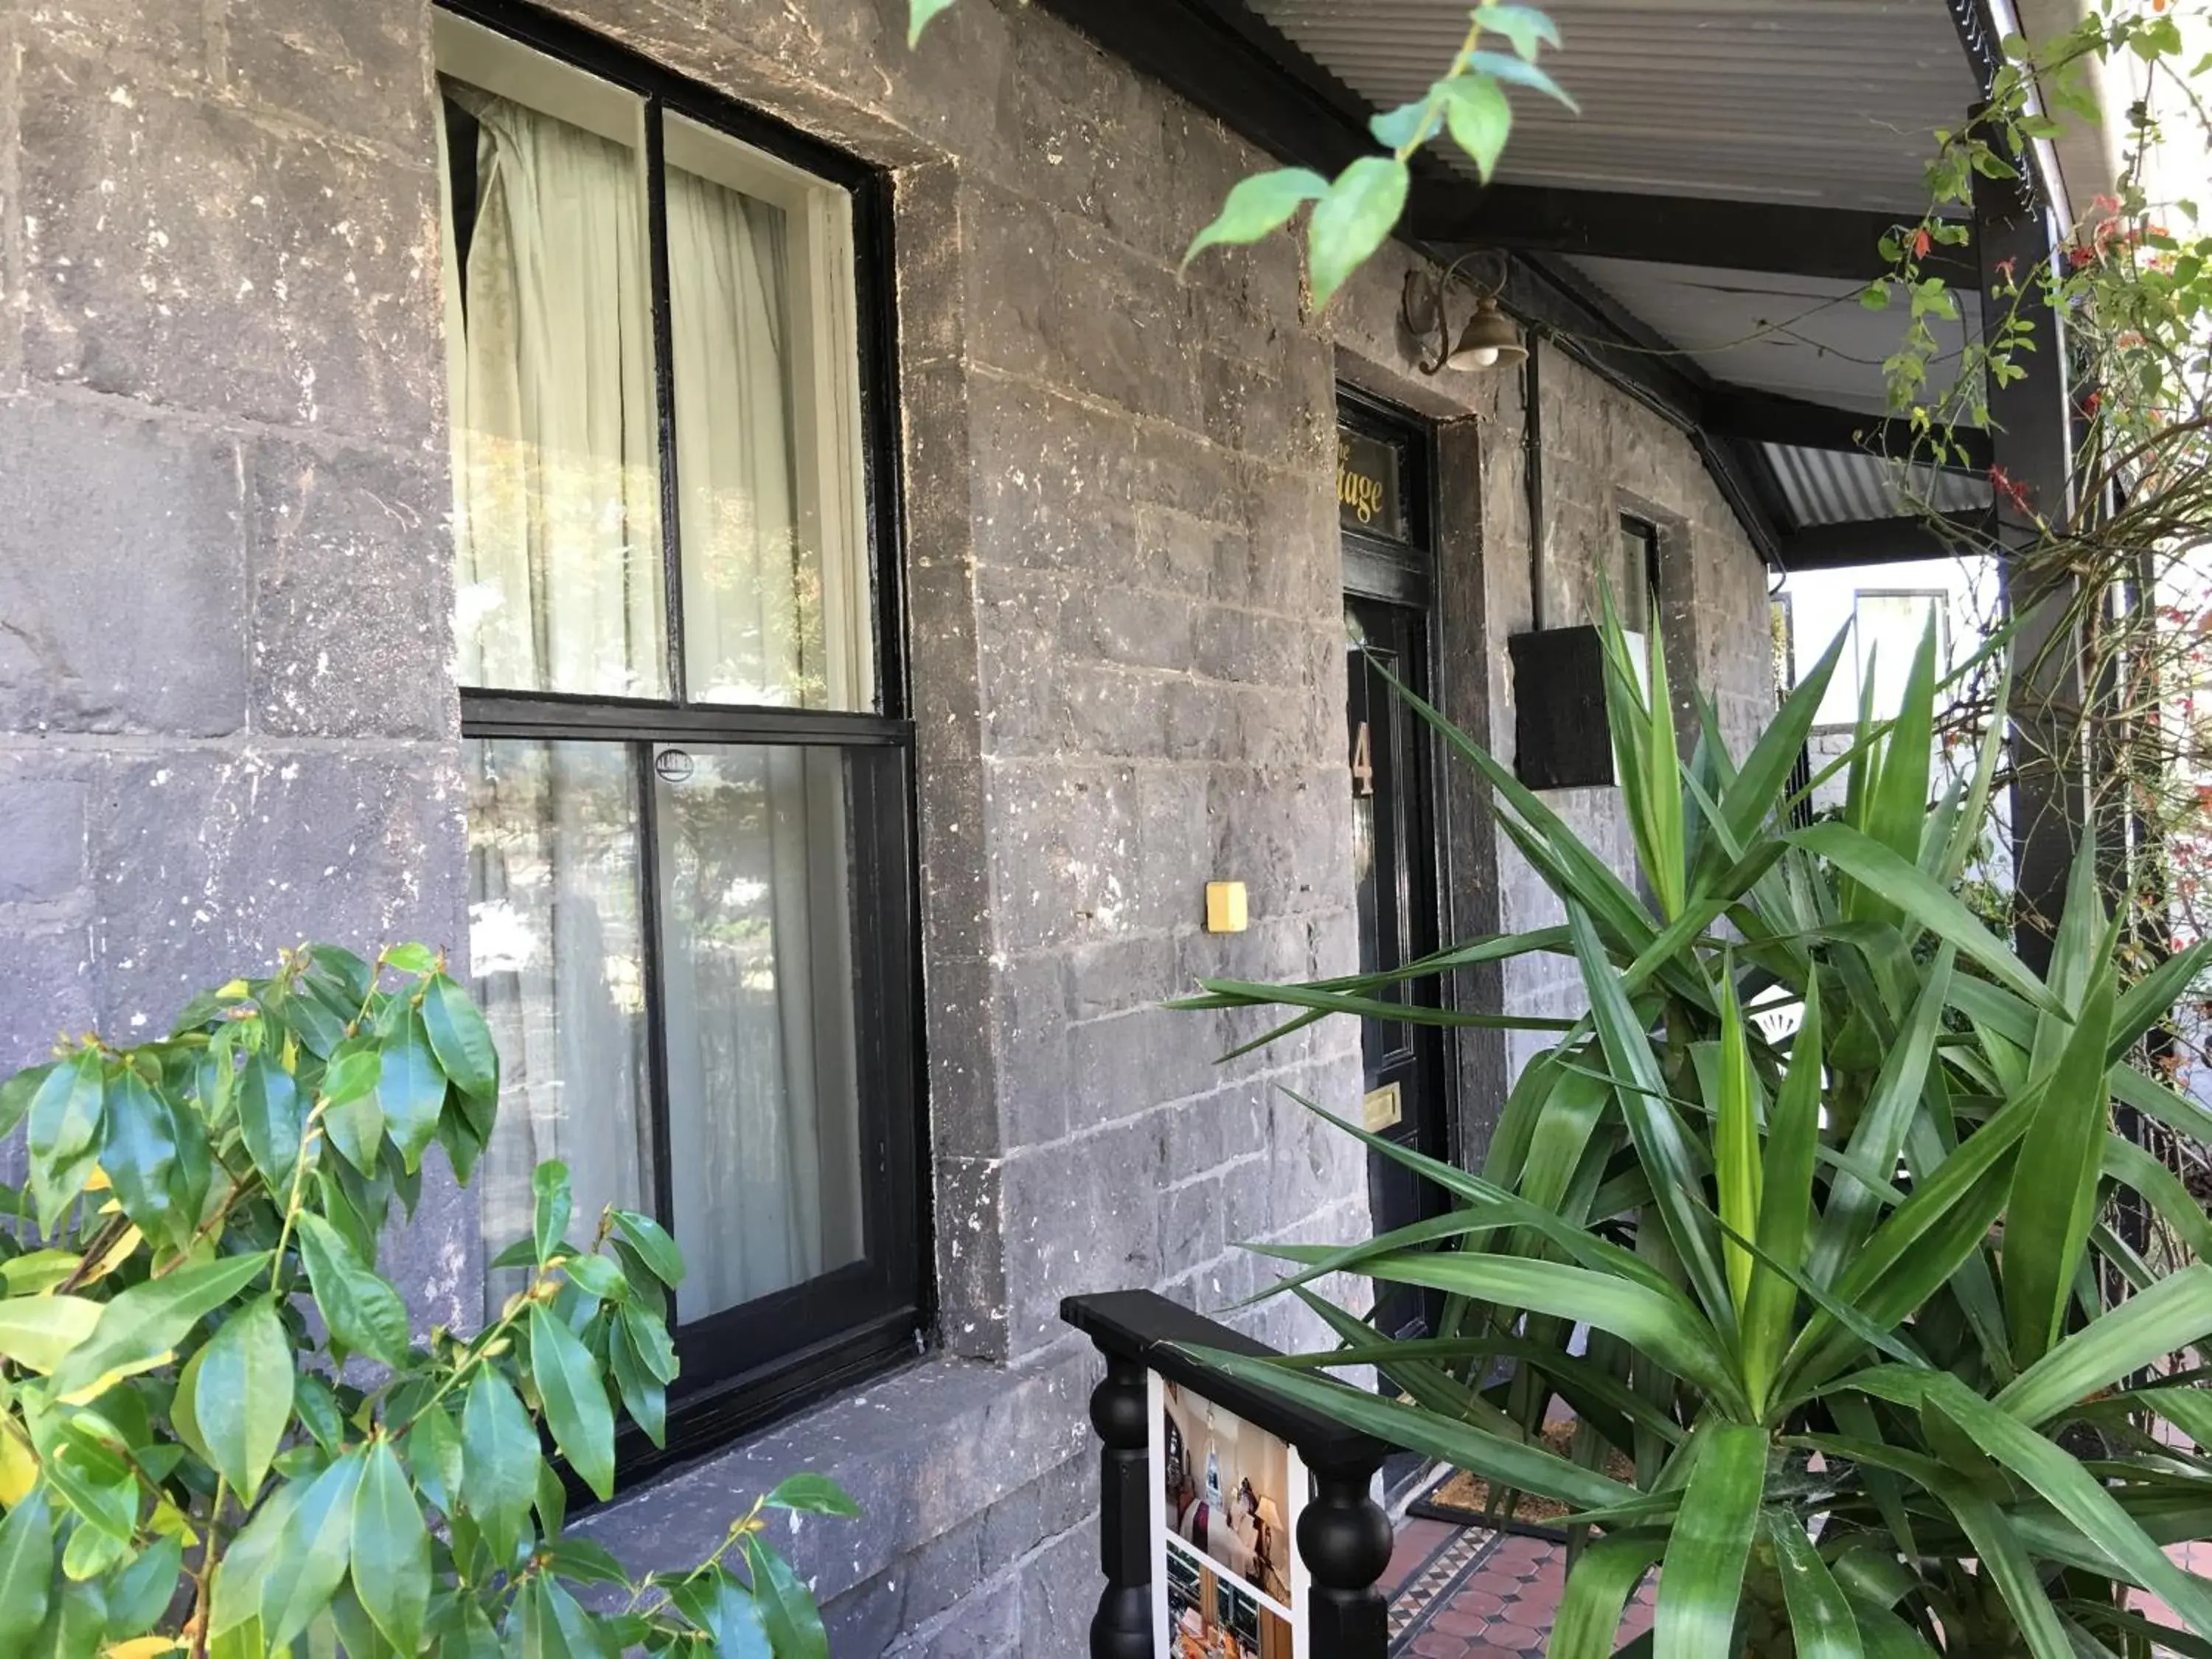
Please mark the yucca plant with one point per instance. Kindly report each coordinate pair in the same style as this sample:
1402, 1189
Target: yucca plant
1827, 1307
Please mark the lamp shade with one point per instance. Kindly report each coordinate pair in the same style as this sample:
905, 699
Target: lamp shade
1270, 1517
1489, 340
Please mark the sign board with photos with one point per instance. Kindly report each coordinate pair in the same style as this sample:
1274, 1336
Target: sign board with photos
1234, 1525
1226, 1497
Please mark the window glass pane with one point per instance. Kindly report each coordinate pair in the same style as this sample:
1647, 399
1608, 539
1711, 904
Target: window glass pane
550, 349
1632, 580
761, 301
1890, 628
1367, 488
556, 956
764, 1160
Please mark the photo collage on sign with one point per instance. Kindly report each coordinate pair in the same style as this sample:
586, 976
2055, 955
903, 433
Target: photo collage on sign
1225, 1497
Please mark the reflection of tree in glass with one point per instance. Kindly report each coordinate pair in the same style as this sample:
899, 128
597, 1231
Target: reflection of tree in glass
768, 640
561, 586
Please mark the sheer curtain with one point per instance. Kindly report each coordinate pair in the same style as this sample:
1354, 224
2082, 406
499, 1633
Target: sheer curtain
558, 507
561, 581
761, 1098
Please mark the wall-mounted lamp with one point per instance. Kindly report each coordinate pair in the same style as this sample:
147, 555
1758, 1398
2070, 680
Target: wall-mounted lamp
1489, 340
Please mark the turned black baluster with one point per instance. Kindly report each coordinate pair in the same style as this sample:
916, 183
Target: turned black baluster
1344, 1540
1122, 1627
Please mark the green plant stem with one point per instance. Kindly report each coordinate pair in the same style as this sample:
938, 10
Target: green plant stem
203, 1577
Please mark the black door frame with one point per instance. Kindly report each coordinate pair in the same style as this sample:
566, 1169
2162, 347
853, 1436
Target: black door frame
1401, 574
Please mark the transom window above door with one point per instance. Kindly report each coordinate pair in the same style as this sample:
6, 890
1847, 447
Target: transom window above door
690, 870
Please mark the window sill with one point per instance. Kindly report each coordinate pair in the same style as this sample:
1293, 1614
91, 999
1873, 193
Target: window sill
920, 1450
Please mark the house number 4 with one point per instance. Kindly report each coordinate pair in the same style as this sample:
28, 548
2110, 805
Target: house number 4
1363, 763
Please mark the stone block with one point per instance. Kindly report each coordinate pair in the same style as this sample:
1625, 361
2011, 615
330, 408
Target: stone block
120, 566
973, 1318
1082, 1215
48, 989
360, 70
42, 831
353, 581
1060, 1593
179, 252
1063, 846
206, 864
171, 38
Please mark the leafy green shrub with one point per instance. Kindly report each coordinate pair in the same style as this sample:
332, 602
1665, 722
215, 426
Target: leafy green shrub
1851, 1376
218, 1434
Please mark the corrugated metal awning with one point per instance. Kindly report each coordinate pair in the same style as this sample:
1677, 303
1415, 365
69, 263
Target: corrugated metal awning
1825, 102
1833, 486
1800, 336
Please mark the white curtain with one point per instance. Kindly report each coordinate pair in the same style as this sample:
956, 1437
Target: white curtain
561, 567
555, 427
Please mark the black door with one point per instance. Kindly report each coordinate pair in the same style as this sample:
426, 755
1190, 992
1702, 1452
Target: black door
1394, 863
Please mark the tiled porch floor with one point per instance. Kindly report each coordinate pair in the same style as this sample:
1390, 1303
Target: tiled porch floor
1504, 1609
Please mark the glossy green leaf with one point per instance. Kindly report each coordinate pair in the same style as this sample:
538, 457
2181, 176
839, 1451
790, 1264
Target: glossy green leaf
1259, 206
248, 1565
1409, 125
1793, 1140
17, 1093
2172, 1315
241, 1387
1599, 1581
2002, 1557
411, 958
813, 1494
139, 1155
1702, 1578
786, 1607
140, 1327
1352, 220
434, 1456
390, 1550
310, 1559
1662, 1143
652, 1244
65, 1117
650, 1337
140, 1593
2054, 1196
716, 1603
1820, 1622
26, 1568
1480, 118
410, 1087
1529, 29
459, 1037
273, 1117
1735, 1142
575, 1400
362, 1311
1922, 900
1518, 72
1523, 1467
40, 1332
644, 1396
549, 1186
499, 1459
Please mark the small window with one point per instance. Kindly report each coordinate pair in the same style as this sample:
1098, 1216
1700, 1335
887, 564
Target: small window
1635, 575
690, 866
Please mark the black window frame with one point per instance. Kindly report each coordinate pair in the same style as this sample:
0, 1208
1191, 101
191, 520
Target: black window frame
1635, 528
747, 1365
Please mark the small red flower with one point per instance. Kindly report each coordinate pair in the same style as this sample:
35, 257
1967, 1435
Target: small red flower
2008, 486
2079, 256
1922, 242
2005, 269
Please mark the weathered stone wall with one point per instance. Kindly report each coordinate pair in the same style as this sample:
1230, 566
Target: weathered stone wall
229, 720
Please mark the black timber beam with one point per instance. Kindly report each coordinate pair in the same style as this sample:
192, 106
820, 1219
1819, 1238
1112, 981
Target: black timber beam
1240, 69
1886, 541
1779, 238
1734, 411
